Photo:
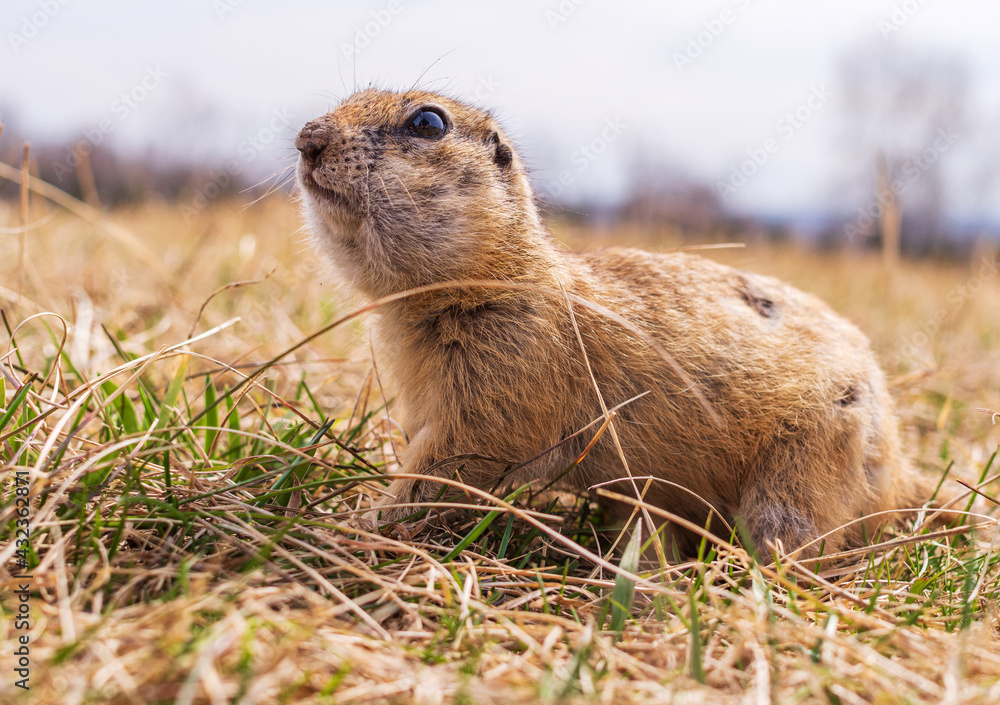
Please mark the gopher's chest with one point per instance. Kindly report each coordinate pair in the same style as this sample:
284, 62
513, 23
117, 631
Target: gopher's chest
497, 367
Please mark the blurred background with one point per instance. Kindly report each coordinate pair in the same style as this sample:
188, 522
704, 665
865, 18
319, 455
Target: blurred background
841, 123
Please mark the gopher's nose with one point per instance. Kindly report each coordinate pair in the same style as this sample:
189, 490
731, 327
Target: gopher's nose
311, 141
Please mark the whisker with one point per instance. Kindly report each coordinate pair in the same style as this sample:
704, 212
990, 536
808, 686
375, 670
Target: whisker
384, 189
280, 172
268, 192
433, 64
415, 206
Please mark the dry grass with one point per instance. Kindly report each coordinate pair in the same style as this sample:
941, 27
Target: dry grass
195, 540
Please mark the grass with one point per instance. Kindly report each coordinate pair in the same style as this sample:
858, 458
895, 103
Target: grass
195, 499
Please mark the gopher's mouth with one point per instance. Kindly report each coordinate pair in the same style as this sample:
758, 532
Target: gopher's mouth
330, 197
334, 198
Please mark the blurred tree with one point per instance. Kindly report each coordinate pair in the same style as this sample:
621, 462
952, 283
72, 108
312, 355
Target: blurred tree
660, 196
904, 109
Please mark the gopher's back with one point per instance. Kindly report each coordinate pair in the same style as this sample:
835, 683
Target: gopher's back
805, 437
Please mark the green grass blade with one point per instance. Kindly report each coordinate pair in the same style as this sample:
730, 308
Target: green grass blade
623, 595
173, 391
18, 399
695, 659
482, 526
123, 408
211, 415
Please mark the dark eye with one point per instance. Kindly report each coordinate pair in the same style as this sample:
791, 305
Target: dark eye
427, 123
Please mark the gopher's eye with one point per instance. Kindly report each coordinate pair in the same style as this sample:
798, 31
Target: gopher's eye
427, 122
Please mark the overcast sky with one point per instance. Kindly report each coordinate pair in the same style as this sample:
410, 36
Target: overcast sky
584, 87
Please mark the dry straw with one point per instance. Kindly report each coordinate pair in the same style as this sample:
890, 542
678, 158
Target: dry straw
198, 506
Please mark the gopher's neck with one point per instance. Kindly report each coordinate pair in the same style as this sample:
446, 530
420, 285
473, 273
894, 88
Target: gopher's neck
508, 268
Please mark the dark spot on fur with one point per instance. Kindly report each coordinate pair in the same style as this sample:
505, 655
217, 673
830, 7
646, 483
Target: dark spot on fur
848, 397
757, 301
439, 161
468, 178
484, 321
432, 192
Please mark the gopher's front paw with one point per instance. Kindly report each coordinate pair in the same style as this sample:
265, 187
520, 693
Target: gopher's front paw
399, 502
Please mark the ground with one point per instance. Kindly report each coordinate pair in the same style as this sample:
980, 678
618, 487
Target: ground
194, 533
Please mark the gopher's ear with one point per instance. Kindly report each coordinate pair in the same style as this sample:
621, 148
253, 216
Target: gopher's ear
502, 156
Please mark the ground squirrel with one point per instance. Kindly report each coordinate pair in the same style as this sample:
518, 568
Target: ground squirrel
757, 397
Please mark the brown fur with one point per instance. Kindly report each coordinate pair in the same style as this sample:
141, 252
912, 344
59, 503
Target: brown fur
805, 438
